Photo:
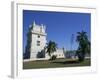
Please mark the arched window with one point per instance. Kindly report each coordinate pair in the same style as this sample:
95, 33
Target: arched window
38, 36
38, 43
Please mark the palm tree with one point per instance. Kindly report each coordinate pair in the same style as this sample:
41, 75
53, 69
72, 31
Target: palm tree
84, 46
51, 47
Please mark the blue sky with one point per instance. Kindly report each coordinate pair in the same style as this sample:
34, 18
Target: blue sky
59, 26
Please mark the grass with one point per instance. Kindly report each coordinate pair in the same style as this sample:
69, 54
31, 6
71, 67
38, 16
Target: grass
55, 63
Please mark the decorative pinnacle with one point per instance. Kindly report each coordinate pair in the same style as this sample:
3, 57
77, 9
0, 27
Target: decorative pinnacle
34, 23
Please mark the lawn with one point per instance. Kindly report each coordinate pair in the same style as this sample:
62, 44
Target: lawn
55, 63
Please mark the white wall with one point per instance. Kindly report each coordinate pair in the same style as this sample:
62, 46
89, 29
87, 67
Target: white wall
59, 53
5, 42
34, 47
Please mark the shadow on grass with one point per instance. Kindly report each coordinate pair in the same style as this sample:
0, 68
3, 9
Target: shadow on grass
66, 62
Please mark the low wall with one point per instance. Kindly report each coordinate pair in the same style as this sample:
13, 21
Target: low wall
27, 60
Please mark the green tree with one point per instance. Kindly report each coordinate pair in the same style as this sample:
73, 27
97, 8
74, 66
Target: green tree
51, 47
84, 45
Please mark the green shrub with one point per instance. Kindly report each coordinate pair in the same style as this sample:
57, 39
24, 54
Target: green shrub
53, 57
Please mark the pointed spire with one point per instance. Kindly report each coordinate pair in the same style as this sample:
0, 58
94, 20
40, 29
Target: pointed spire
44, 27
34, 23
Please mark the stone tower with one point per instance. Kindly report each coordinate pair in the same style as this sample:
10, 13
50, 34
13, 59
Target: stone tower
36, 40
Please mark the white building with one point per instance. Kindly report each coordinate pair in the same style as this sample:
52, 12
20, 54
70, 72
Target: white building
59, 53
36, 43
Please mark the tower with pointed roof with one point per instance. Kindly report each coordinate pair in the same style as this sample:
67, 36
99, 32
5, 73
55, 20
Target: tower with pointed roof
36, 40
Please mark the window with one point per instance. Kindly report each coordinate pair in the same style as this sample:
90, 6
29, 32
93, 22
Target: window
38, 43
38, 36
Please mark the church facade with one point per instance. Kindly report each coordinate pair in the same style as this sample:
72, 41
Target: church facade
37, 42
